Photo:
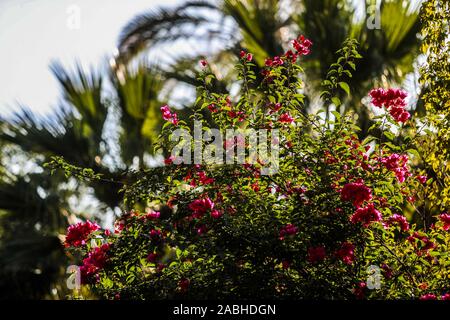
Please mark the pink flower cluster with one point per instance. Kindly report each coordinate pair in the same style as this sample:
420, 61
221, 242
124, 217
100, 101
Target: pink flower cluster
425, 243
445, 218
246, 56
302, 45
397, 164
356, 192
400, 220
94, 262
201, 206
156, 235
316, 254
286, 118
168, 115
346, 253
77, 234
393, 100
274, 62
287, 230
422, 179
151, 214
430, 296
360, 290
366, 215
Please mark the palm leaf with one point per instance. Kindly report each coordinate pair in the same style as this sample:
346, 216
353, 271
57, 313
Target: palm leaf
166, 26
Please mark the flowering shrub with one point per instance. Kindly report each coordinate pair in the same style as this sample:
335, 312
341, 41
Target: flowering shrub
337, 220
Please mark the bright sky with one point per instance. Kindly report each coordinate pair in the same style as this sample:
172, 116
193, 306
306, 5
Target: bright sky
33, 32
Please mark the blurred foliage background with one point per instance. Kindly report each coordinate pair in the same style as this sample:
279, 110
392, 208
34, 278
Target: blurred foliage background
108, 120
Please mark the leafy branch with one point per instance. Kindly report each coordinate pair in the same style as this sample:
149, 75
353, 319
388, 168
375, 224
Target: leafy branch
338, 70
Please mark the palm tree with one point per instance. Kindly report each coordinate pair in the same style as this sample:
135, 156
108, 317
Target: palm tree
34, 207
31, 255
264, 26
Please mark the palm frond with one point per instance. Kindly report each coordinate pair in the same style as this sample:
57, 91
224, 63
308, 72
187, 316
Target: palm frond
258, 23
31, 254
57, 134
139, 105
83, 91
165, 25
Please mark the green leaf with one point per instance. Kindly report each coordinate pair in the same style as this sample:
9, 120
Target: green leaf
337, 115
389, 135
344, 86
336, 101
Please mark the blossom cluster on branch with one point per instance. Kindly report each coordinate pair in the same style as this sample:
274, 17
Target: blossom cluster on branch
338, 208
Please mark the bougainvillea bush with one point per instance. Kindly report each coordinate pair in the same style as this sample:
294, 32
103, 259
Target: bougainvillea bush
340, 218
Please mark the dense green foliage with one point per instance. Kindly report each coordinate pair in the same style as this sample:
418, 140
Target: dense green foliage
105, 137
331, 223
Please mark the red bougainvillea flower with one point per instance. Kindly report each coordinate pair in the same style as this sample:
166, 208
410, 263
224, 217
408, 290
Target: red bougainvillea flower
152, 214
290, 55
202, 229
274, 107
302, 45
152, 257
286, 118
397, 164
246, 56
422, 179
95, 260
160, 267
216, 214
388, 98
360, 290
168, 115
237, 114
274, 62
285, 264
203, 179
183, 284
387, 271
155, 235
445, 296
399, 114
287, 230
428, 296
346, 253
213, 108
119, 225
393, 100
201, 206
77, 234
169, 160
316, 254
445, 218
366, 215
400, 220
425, 243
356, 193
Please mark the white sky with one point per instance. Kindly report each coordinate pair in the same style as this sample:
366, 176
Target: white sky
34, 32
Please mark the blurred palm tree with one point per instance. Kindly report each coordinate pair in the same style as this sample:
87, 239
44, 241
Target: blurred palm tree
32, 214
34, 206
263, 27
